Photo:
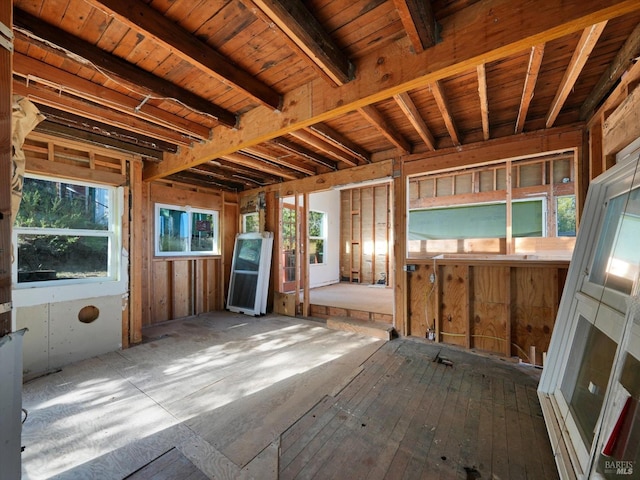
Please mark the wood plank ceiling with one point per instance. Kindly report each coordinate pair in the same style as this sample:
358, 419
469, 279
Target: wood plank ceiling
241, 94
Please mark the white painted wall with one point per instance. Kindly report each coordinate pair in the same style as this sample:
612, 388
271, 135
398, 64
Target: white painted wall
329, 272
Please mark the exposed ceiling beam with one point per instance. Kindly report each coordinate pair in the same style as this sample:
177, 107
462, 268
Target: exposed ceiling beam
152, 24
443, 105
506, 29
293, 18
535, 61
419, 23
209, 171
484, 101
40, 72
230, 168
135, 78
261, 165
623, 60
311, 139
200, 180
375, 118
304, 152
289, 163
102, 132
580, 56
411, 111
322, 130
46, 96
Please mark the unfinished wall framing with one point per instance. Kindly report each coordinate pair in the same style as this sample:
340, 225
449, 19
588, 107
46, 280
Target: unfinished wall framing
365, 234
502, 306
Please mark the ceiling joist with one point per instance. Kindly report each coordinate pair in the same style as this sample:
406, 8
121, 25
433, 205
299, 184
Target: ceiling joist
484, 101
335, 138
375, 118
535, 61
443, 105
136, 79
419, 23
411, 111
309, 138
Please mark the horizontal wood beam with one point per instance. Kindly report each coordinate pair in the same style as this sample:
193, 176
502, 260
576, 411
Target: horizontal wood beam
293, 18
535, 61
134, 77
484, 101
304, 152
533, 144
260, 165
411, 112
489, 30
375, 118
419, 22
443, 105
40, 72
152, 24
322, 130
310, 138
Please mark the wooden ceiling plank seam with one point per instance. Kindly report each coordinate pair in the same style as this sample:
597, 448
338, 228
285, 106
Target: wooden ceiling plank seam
443, 105
587, 43
375, 118
293, 18
35, 70
100, 114
264, 157
151, 23
334, 137
484, 101
533, 70
409, 108
419, 22
505, 30
311, 139
133, 77
622, 61
304, 152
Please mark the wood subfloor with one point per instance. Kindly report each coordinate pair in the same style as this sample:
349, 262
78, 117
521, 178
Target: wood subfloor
228, 396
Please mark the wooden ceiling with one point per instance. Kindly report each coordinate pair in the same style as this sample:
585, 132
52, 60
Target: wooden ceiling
242, 94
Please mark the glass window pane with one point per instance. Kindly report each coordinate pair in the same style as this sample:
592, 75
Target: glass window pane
566, 216
202, 235
61, 257
617, 259
472, 221
53, 204
316, 251
316, 224
173, 226
587, 377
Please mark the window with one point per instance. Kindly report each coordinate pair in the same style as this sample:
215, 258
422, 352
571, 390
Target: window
65, 232
477, 221
566, 215
317, 236
250, 222
186, 231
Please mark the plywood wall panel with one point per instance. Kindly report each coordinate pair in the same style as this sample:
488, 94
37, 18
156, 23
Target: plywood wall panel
181, 288
454, 306
490, 310
160, 297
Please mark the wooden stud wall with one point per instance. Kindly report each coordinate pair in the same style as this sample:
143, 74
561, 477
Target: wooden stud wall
178, 287
365, 230
500, 307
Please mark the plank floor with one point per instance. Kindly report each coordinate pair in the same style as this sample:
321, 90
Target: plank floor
228, 396
410, 416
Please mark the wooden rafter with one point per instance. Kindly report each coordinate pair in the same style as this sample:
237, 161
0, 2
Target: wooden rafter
261, 165
375, 118
152, 24
289, 162
328, 134
443, 105
76, 106
623, 60
133, 77
230, 168
304, 152
321, 144
40, 72
198, 179
419, 22
535, 61
388, 71
411, 111
484, 101
293, 18
580, 56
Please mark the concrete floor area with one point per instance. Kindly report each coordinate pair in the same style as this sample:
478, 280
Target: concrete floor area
228, 396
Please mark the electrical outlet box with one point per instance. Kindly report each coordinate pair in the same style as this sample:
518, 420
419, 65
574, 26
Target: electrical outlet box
409, 268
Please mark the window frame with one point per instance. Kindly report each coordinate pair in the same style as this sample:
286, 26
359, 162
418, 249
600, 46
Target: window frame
322, 237
189, 211
113, 234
